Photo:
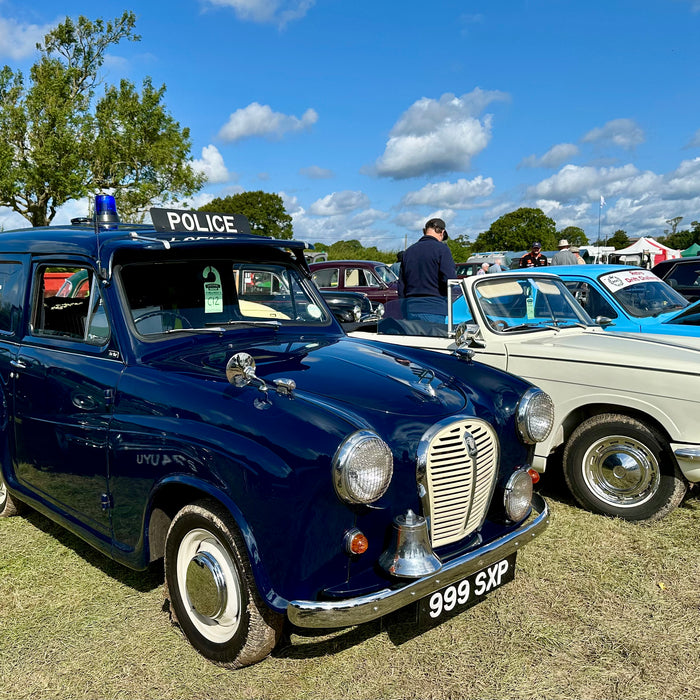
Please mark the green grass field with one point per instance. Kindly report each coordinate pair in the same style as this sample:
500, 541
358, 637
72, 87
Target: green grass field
599, 608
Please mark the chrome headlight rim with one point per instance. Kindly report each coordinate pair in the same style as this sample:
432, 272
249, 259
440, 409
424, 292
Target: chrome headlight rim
346, 474
356, 313
517, 496
534, 399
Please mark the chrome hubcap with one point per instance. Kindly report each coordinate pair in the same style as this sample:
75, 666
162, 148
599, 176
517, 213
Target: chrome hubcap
621, 471
209, 585
3, 492
206, 585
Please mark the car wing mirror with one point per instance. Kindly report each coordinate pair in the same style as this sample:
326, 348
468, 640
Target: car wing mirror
604, 321
468, 335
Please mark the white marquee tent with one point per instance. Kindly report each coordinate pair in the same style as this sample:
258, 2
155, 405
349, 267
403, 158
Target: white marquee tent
645, 250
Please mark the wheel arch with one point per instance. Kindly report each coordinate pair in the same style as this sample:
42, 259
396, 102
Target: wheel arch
586, 411
171, 496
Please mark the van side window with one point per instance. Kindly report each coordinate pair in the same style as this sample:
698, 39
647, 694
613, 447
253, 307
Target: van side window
68, 306
11, 288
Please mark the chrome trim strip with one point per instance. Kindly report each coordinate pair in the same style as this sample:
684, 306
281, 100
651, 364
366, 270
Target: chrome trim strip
355, 611
690, 453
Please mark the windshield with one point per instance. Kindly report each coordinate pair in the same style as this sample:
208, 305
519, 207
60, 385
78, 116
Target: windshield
641, 293
385, 274
520, 303
187, 295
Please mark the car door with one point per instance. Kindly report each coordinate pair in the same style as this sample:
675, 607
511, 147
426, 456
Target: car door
65, 375
363, 280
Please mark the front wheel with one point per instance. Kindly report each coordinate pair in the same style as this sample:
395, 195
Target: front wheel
8, 505
209, 582
617, 466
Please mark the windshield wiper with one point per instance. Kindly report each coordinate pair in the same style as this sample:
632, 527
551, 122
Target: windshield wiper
256, 324
536, 326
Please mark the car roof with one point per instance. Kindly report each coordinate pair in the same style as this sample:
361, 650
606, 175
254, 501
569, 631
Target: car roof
84, 240
330, 263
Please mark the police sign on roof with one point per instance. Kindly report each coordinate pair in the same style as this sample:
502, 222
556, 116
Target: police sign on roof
183, 221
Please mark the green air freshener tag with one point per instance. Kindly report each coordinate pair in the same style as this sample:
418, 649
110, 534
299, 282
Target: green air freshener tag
213, 295
530, 307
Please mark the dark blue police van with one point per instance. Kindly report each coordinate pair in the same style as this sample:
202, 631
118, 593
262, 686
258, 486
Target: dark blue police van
199, 404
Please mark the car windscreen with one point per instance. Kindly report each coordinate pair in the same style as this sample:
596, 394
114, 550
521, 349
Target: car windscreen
641, 293
521, 303
193, 294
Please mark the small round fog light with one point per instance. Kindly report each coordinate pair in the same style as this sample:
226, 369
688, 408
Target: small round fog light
517, 498
355, 542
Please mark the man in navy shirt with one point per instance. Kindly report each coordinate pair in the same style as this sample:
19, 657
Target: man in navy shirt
425, 268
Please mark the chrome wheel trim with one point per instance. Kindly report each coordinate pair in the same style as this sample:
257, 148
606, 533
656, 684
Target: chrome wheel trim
621, 471
209, 585
3, 492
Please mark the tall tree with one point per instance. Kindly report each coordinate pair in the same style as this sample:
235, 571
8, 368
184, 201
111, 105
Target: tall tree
619, 240
518, 230
574, 235
265, 212
59, 142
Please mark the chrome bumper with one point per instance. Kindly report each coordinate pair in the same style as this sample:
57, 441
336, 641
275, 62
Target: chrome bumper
355, 611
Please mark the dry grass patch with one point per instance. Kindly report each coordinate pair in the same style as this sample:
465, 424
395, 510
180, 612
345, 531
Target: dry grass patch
599, 608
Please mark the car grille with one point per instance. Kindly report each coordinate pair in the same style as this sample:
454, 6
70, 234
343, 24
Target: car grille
457, 485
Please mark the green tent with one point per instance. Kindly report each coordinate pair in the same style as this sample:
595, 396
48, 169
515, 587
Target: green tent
693, 250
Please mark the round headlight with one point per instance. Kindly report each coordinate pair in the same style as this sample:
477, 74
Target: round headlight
535, 415
379, 310
362, 468
356, 312
517, 498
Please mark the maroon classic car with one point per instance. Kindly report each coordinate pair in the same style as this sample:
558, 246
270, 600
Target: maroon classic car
375, 279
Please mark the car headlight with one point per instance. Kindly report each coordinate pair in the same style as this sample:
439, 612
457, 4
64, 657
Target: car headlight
356, 312
362, 468
517, 497
535, 415
379, 310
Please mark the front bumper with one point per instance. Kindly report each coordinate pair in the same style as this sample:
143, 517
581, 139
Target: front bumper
688, 457
355, 611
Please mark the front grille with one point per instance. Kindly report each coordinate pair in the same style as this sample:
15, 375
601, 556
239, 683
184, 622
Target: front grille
457, 486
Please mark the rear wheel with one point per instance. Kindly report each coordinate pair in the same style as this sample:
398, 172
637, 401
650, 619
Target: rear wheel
209, 582
617, 466
8, 506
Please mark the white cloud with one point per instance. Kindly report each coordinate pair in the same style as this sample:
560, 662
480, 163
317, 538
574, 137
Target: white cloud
314, 172
624, 133
573, 183
695, 141
457, 195
211, 164
279, 12
339, 203
260, 120
684, 182
18, 41
553, 158
435, 136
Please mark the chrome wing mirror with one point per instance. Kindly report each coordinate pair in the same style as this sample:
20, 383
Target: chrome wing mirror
240, 371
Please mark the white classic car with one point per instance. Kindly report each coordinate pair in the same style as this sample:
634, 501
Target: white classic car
627, 406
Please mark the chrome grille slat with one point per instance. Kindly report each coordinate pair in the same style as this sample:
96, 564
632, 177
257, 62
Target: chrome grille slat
458, 487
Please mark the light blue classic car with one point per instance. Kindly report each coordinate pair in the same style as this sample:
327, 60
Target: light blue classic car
632, 298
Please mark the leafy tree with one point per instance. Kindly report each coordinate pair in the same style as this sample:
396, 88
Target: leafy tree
673, 223
574, 235
517, 230
58, 142
619, 239
265, 212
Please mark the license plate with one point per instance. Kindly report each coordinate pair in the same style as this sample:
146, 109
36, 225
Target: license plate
463, 594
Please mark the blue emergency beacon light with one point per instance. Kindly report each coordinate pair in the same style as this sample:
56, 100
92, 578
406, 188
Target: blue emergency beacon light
106, 209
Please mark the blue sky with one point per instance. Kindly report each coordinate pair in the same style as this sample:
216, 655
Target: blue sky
370, 117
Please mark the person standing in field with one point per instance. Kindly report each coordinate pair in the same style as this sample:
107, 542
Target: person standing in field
425, 268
